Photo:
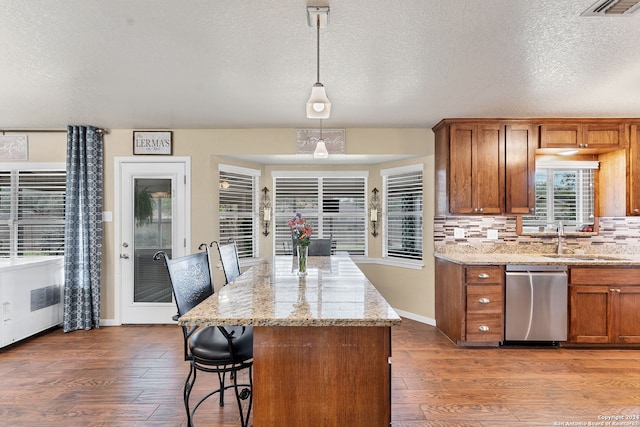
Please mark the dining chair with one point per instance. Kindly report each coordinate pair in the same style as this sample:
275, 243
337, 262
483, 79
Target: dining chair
215, 349
212, 261
320, 247
229, 259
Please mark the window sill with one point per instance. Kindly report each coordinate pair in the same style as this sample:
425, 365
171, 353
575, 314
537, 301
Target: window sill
409, 264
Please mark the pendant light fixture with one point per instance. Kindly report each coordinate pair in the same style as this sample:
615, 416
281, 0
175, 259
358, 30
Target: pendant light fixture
318, 105
321, 149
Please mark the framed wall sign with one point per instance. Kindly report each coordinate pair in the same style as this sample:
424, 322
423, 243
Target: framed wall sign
14, 147
307, 139
153, 142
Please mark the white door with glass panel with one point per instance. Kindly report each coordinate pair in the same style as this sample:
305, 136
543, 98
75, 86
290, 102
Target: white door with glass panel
152, 217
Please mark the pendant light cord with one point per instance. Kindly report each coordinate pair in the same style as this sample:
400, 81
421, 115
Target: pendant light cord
318, 49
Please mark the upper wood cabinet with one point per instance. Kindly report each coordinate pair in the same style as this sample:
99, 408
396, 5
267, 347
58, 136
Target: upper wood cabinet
521, 141
596, 135
476, 168
485, 167
633, 165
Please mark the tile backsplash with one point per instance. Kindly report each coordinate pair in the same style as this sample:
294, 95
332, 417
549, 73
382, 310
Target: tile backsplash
616, 235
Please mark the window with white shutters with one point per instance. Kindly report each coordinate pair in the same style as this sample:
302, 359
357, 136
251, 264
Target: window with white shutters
333, 204
402, 212
238, 195
32, 205
564, 192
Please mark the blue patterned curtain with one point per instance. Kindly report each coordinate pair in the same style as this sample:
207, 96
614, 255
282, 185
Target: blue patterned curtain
83, 229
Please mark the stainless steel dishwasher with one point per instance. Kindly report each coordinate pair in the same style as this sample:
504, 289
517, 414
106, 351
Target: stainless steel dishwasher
536, 303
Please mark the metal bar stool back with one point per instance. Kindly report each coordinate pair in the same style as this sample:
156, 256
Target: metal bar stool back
214, 349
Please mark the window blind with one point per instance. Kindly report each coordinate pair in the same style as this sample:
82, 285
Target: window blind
564, 192
32, 207
334, 206
237, 207
402, 212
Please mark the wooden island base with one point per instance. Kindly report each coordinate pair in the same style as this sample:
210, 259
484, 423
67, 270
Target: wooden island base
308, 376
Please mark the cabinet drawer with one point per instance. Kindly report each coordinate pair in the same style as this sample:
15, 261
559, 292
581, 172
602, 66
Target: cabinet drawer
604, 276
481, 327
485, 299
484, 274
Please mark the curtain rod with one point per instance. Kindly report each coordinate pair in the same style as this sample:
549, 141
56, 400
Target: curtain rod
105, 131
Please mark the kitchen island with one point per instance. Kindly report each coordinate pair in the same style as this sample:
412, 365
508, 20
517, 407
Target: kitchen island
322, 343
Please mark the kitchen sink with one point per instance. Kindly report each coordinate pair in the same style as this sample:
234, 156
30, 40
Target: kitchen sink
585, 257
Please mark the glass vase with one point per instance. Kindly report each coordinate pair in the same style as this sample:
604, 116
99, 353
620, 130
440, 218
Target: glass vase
303, 253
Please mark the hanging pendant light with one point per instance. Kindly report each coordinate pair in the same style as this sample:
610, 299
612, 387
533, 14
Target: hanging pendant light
321, 149
318, 105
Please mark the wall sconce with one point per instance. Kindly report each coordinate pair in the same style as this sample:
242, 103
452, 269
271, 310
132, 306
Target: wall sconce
265, 211
375, 212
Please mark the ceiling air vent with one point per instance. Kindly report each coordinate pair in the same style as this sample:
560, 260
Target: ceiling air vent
612, 8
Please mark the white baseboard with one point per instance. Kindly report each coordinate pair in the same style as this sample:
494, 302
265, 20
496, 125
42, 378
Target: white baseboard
109, 322
416, 317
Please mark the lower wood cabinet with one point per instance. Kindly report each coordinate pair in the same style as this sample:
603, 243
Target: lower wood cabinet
470, 302
603, 305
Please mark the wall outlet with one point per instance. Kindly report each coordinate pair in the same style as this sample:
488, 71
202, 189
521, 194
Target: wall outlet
492, 234
458, 233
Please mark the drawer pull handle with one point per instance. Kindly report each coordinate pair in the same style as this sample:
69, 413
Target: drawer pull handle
484, 300
483, 328
483, 276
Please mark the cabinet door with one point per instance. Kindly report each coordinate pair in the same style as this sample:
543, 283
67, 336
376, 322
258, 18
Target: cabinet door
560, 135
462, 140
520, 158
634, 171
589, 314
476, 169
627, 315
488, 171
600, 135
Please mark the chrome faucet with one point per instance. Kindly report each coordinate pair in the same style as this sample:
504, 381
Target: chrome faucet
560, 235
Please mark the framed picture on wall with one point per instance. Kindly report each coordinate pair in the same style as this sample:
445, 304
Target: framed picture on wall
14, 147
153, 142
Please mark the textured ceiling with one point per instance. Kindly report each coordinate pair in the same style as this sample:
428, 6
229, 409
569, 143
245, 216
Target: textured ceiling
251, 64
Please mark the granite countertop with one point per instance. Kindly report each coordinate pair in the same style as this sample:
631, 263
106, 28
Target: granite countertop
541, 259
334, 293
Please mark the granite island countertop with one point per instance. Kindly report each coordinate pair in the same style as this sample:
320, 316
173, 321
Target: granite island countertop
334, 293
541, 259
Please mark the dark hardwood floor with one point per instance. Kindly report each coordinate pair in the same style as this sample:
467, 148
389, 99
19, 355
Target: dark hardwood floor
133, 375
